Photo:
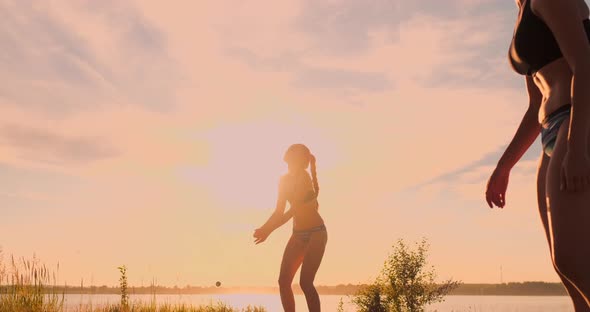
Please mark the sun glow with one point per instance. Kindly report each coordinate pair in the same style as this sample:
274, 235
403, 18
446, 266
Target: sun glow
246, 161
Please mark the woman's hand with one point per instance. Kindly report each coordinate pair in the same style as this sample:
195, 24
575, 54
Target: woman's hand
496, 188
575, 172
261, 234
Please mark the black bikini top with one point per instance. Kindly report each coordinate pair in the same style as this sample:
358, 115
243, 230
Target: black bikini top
533, 44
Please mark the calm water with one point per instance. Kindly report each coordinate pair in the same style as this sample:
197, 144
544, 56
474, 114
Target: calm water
330, 303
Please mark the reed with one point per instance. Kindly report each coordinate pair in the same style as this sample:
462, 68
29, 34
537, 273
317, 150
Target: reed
25, 286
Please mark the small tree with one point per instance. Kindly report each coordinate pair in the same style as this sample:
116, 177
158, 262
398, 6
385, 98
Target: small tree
406, 283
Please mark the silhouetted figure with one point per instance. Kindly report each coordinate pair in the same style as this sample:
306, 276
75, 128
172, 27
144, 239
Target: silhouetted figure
551, 48
308, 242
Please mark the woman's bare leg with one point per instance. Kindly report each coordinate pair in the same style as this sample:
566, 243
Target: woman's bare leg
292, 259
569, 222
313, 258
580, 304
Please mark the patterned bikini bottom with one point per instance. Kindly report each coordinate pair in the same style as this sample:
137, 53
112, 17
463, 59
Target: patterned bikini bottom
550, 127
305, 235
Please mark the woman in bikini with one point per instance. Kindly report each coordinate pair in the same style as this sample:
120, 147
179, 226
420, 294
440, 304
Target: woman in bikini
551, 49
306, 246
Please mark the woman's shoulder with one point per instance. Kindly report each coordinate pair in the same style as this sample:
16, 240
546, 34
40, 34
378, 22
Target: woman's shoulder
286, 180
289, 180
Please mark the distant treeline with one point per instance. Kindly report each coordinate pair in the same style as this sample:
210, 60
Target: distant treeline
506, 289
512, 289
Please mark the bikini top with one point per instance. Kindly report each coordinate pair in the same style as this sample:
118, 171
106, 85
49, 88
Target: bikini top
533, 44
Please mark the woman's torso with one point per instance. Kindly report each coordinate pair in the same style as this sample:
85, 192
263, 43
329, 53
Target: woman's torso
554, 82
298, 189
554, 78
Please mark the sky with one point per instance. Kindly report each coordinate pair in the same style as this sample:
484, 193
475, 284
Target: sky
150, 134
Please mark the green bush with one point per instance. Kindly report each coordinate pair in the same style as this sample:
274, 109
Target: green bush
370, 299
406, 283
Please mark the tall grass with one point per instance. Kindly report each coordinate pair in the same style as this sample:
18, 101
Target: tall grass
25, 287
143, 307
28, 286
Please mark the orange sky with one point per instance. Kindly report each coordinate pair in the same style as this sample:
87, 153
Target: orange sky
151, 135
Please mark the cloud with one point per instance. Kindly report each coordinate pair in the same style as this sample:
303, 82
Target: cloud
281, 62
481, 44
134, 29
464, 49
453, 9
453, 45
310, 77
345, 27
488, 160
45, 146
342, 80
64, 58
315, 30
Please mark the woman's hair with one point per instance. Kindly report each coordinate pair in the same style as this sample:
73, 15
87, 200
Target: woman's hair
314, 175
299, 154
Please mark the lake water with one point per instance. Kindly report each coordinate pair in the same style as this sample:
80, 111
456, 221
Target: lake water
330, 302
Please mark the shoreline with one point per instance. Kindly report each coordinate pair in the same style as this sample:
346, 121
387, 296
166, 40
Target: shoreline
506, 289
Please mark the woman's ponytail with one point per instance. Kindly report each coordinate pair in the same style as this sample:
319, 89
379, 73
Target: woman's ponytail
314, 176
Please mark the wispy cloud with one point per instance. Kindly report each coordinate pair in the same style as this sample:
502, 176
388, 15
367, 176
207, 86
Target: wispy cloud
343, 80
472, 35
312, 77
61, 58
343, 28
488, 161
41, 145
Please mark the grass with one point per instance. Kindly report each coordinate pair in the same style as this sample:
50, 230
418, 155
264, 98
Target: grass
25, 287
28, 286
142, 307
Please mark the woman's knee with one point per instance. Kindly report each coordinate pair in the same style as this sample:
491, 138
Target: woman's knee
306, 284
285, 281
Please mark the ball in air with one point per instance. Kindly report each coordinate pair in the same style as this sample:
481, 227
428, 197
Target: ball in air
218, 283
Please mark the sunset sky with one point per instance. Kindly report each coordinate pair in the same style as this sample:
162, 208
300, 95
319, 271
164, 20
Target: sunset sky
151, 134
